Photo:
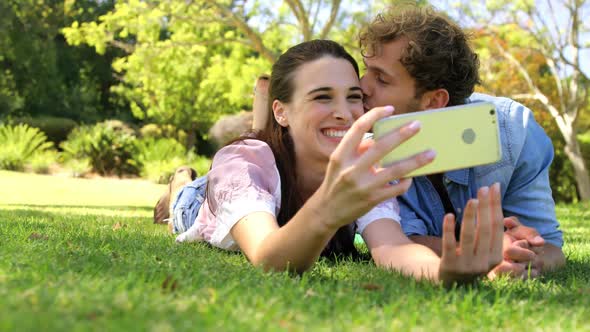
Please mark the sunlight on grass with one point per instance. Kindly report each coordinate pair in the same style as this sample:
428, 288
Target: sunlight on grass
31, 189
112, 211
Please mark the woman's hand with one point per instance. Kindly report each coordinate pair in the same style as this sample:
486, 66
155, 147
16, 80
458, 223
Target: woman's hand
480, 247
353, 185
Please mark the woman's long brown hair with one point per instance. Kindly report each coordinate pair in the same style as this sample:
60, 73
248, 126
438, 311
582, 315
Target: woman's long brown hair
278, 138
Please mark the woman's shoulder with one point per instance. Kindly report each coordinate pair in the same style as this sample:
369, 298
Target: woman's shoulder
246, 150
244, 171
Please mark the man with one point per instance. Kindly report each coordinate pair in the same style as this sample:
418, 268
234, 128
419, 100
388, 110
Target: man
417, 59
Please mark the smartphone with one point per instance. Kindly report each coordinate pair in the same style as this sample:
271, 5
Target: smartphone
462, 136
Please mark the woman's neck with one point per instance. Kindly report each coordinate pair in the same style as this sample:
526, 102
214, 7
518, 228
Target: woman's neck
309, 177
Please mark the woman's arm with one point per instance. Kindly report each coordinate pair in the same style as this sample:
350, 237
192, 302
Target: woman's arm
350, 189
296, 246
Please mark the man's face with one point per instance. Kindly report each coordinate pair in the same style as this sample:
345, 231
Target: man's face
387, 82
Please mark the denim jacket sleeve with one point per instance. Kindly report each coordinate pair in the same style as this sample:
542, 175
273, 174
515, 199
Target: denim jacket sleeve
525, 173
411, 223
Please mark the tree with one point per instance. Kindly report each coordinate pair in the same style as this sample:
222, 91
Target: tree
188, 62
556, 32
41, 73
501, 79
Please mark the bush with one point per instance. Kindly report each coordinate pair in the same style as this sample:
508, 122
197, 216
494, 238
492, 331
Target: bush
152, 149
152, 130
56, 128
109, 146
201, 164
561, 173
78, 167
160, 171
562, 177
584, 140
41, 162
18, 144
159, 158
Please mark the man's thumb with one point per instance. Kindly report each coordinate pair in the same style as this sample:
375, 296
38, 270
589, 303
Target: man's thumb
511, 222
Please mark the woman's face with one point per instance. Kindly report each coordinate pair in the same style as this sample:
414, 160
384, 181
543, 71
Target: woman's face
327, 99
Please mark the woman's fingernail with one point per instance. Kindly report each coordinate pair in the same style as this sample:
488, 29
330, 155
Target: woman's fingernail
389, 108
414, 125
430, 154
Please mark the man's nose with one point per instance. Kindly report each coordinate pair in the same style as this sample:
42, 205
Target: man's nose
365, 86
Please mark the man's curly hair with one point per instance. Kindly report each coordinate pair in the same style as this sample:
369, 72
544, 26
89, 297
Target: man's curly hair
438, 54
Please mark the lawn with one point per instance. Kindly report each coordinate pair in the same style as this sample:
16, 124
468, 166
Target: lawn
78, 254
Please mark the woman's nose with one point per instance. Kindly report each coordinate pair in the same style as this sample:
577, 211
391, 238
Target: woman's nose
343, 111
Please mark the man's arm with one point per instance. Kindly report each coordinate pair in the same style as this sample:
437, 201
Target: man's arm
528, 196
547, 256
552, 257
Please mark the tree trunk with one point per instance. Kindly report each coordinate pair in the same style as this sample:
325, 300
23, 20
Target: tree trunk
574, 153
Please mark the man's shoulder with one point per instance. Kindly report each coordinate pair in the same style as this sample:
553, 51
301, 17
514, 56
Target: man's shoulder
508, 109
519, 133
502, 102
516, 121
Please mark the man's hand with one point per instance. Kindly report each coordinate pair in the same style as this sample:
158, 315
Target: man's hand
480, 247
522, 251
517, 231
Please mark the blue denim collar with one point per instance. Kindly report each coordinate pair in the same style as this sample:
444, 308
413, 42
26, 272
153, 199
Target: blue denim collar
460, 176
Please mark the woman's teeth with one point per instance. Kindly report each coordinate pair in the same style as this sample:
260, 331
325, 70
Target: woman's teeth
334, 133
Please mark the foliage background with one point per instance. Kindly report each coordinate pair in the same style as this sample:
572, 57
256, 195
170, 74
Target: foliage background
186, 64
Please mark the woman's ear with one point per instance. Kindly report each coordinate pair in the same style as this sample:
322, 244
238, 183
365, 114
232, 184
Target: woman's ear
280, 113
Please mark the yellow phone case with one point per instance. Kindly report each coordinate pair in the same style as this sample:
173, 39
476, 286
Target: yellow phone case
462, 136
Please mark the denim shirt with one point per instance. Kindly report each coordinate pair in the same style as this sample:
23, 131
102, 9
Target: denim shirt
523, 174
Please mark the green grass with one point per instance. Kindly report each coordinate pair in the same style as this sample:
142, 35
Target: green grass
83, 255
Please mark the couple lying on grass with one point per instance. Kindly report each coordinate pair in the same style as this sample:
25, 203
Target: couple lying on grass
305, 181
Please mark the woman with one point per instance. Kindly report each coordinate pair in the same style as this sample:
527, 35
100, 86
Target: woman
304, 184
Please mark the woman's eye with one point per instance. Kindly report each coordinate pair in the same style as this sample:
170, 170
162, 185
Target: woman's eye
356, 97
322, 97
380, 80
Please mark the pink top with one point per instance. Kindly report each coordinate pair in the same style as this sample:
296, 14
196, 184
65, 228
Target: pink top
244, 179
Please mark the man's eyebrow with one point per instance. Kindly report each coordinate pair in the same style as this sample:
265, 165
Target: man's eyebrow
377, 69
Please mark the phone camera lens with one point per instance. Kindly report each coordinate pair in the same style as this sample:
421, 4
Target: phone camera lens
492, 112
